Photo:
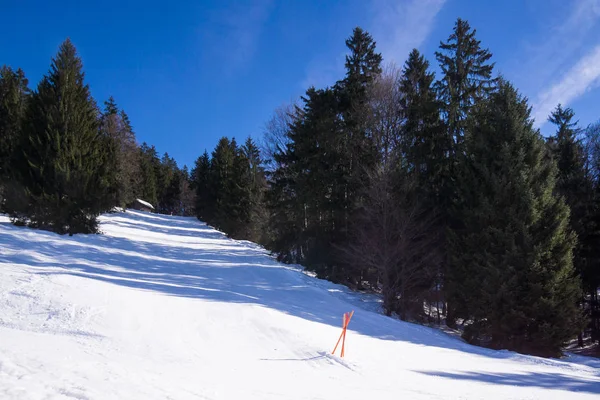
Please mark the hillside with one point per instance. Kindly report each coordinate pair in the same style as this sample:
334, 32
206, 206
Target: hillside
165, 307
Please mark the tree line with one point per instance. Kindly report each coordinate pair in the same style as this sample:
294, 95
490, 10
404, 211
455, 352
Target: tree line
437, 192
64, 160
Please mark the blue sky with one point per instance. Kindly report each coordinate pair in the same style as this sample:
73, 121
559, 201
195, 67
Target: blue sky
188, 72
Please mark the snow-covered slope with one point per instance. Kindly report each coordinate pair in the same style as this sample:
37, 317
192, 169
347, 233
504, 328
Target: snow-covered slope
167, 308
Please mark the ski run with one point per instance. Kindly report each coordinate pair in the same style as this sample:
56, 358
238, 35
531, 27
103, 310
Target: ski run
161, 307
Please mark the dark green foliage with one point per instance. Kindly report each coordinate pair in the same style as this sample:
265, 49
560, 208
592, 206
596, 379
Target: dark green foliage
576, 183
67, 175
511, 253
466, 77
200, 179
590, 246
256, 228
318, 186
115, 124
230, 189
13, 101
148, 183
425, 143
169, 183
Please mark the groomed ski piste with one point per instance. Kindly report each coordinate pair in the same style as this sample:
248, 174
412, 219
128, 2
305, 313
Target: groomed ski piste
161, 307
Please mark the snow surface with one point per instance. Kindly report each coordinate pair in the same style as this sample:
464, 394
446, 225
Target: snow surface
165, 307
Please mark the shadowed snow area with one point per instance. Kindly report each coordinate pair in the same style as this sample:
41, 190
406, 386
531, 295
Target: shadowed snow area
166, 307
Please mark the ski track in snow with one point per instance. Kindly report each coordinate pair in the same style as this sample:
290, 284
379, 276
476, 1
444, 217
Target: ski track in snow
163, 307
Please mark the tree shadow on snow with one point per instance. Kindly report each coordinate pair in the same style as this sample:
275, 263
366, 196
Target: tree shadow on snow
530, 379
196, 261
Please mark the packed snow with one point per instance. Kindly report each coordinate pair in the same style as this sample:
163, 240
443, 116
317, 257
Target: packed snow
161, 307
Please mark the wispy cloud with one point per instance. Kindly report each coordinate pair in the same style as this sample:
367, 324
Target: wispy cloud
397, 26
551, 62
235, 33
583, 76
400, 26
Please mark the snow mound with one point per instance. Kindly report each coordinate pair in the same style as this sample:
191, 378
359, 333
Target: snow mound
166, 307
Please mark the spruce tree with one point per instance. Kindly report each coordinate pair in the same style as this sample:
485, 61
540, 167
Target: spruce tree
13, 101
201, 180
466, 77
466, 80
257, 219
511, 253
67, 176
148, 181
115, 125
424, 141
355, 148
576, 185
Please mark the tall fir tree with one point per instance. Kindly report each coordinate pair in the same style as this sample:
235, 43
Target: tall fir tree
257, 185
576, 185
148, 182
511, 253
355, 148
14, 93
201, 180
466, 80
115, 125
466, 77
425, 144
67, 177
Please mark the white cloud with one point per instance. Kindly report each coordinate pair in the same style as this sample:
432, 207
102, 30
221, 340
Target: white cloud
235, 32
583, 76
397, 26
400, 26
551, 70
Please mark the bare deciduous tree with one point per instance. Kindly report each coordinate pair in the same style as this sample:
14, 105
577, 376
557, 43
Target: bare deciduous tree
276, 129
394, 237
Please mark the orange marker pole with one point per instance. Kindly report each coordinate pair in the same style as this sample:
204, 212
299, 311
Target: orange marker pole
345, 321
343, 330
348, 318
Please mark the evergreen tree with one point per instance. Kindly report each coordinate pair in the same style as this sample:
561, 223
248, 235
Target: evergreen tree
13, 100
256, 181
201, 183
424, 141
187, 196
220, 184
466, 77
169, 185
576, 185
148, 181
589, 247
466, 80
115, 125
355, 148
66, 173
511, 253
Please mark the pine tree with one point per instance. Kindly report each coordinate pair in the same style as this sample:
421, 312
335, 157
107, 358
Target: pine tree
187, 195
13, 101
115, 125
466, 77
67, 176
148, 181
257, 185
355, 148
201, 184
425, 144
589, 246
466, 80
511, 254
220, 185
577, 187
